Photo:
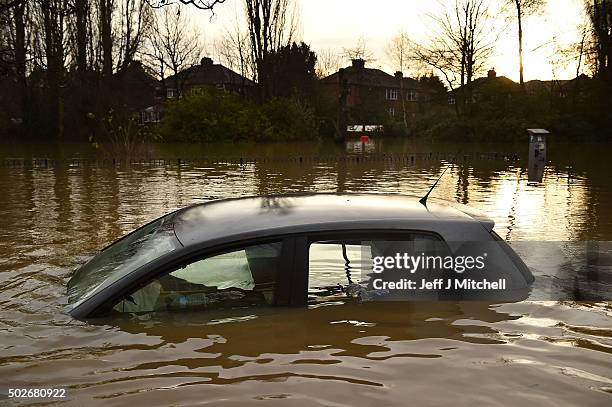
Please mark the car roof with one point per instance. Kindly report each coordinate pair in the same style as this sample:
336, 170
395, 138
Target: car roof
252, 217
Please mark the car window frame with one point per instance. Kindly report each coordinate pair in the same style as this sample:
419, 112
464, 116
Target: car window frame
356, 234
292, 289
180, 265
101, 304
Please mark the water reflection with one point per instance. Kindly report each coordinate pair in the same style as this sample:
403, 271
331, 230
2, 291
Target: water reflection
363, 144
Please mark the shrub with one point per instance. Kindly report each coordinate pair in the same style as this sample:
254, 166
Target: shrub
396, 129
290, 119
478, 129
215, 116
209, 116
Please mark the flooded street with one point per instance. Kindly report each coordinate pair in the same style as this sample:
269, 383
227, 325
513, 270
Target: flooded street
534, 353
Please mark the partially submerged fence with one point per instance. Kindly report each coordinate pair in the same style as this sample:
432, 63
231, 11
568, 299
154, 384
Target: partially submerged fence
399, 158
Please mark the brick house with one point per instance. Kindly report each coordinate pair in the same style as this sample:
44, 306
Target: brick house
205, 75
191, 81
500, 85
559, 88
493, 85
369, 89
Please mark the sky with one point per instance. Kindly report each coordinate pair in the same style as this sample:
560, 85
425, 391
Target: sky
339, 24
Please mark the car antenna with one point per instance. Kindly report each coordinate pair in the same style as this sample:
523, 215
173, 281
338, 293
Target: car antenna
423, 200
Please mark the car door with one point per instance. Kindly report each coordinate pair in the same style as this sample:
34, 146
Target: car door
240, 274
339, 265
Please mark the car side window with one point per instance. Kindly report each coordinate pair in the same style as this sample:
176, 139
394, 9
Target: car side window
337, 268
240, 278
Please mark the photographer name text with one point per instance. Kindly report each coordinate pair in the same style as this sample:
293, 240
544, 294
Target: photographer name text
440, 284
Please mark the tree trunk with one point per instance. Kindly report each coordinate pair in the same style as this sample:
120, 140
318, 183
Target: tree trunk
106, 38
520, 40
53, 105
127, 52
607, 39
403, 98
20, 60
81, 36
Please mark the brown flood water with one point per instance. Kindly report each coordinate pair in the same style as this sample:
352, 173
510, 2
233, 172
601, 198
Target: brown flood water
337, 354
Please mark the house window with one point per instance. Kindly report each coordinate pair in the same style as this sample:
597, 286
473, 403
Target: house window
451, 99
392, 111
158, 92
149, 116
412, 95
220, 87
195, 91
170, 93
392, 94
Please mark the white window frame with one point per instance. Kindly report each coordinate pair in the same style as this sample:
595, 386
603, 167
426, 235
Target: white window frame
392, 93
412, 95
170, 93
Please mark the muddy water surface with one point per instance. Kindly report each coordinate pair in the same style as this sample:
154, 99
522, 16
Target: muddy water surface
333, 354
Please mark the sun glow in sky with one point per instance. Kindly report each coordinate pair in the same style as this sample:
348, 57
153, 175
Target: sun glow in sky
338, 24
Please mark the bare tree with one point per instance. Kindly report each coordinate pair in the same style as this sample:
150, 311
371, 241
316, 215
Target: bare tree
13, 52
106, 8
600, 44
461, 45
9, 4
359, 51
271, 24
397, 51
200, 4
52, 56
173, 45
328, 62
233, 48
524, 8
134, 21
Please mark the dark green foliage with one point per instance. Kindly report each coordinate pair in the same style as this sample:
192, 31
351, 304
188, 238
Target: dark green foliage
288, 71
502, 111
210, 116
290, 118
371, 110
482, 130
217, 116
434, 83
395, 128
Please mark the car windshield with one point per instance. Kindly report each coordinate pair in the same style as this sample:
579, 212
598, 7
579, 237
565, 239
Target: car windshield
134, 250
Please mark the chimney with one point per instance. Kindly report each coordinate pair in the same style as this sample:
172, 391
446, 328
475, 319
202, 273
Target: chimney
358, 63
399, 75
492, 74
206, 62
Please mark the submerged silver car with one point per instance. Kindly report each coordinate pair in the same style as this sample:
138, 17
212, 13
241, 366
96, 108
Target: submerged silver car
289, 251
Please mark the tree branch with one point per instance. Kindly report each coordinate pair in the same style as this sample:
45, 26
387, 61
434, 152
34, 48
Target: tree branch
200, 4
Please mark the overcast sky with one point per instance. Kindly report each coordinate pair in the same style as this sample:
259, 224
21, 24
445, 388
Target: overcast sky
337, 24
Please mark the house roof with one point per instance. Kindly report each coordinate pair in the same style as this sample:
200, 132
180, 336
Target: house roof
210, 74
478, 82
371, 77
135, 74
